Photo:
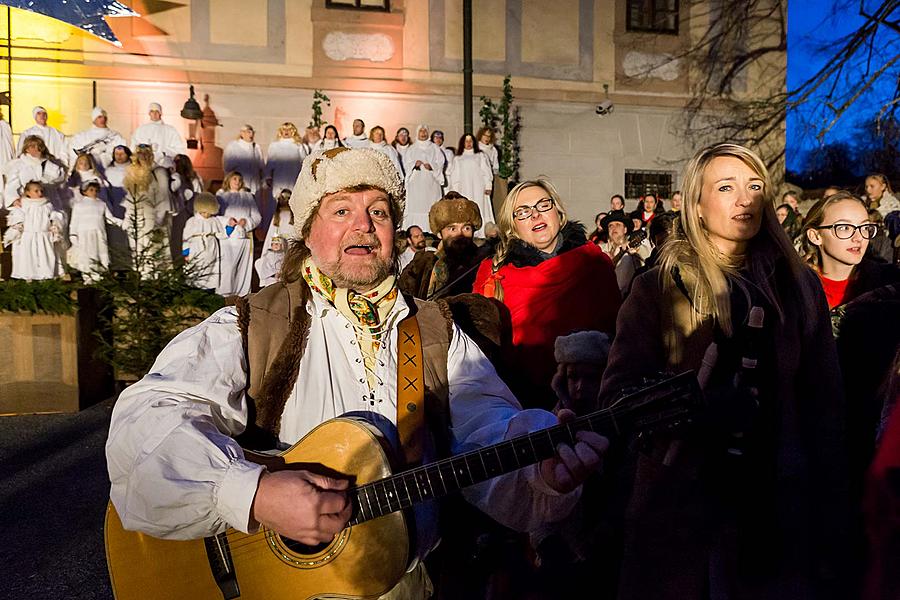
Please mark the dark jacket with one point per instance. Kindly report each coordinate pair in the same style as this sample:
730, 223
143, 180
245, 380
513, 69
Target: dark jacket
457, 273
768, 521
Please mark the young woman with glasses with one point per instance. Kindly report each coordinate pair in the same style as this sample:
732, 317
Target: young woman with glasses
552, 281
835, 236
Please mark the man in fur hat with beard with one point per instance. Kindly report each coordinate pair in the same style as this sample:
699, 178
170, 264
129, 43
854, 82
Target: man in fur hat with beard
451, 270
333, 337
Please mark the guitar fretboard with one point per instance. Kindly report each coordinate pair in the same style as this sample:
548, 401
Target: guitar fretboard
443, 477
463, 470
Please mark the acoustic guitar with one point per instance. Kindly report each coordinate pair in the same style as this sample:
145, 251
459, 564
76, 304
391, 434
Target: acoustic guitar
371, 554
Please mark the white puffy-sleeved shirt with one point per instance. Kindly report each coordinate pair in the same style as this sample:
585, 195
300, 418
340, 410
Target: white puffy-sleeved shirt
177, 472
162, 137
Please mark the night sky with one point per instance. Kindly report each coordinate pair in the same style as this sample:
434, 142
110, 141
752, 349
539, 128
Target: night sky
814, 33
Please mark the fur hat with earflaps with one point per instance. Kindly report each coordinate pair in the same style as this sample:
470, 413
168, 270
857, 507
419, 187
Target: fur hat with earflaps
341, 168
453, 209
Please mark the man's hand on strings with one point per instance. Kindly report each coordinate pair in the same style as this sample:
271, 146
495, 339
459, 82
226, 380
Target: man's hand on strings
302, 506
572, 465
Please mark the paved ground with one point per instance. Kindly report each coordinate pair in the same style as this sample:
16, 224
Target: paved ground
53, 494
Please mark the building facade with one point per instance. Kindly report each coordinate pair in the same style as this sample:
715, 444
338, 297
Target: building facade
391, 63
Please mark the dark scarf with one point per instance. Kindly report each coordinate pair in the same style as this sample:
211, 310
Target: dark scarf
523, 254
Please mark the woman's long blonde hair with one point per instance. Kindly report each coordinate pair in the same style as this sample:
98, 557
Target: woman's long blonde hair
506, 222
706, 270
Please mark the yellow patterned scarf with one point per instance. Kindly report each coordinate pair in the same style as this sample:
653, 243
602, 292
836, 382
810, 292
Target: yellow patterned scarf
365, 311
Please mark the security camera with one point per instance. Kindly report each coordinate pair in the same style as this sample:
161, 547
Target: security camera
605, 107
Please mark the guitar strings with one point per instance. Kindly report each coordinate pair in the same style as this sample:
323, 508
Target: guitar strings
599, 418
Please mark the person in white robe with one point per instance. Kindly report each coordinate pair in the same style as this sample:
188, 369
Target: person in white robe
311, 138
7, 149
34, 164
164, 139
470, 175
239, 208
99, 140
282, 224
331, 140
358, 139
119, 250
36, 232
377, 142
268, 266
89, 247
424, 166
284, 158
148, 208
54, 139
437, 138
203, 236
401, 144
485, 139
84, 170
245, 156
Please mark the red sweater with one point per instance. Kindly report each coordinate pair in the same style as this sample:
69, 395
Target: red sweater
572, 291
834, 290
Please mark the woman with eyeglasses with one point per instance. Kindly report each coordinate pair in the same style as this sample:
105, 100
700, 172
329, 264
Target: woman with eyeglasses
752, 502
835, 236
552, 281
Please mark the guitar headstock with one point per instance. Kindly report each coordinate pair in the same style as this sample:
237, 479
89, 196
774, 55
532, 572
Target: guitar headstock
663, 403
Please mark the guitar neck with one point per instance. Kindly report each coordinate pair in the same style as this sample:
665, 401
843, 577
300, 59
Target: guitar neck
437, 479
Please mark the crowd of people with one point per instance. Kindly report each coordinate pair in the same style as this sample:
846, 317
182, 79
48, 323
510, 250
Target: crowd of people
147, 192
785, 487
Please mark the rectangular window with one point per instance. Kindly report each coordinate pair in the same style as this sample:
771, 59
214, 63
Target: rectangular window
655, 16
377, 5
640, 183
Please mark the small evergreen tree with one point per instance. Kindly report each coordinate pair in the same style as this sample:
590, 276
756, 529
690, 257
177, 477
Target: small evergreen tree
505, 116
318, 98
150, 303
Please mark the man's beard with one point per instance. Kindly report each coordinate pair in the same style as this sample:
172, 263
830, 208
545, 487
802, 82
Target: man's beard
418, 246
459, 247
358, 277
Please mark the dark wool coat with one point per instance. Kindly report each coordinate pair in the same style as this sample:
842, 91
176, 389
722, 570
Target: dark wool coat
777, 530
547, 298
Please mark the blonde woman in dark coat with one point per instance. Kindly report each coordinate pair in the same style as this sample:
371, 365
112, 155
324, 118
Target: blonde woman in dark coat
753, 502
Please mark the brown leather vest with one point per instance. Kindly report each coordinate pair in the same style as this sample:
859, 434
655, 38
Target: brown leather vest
274, 326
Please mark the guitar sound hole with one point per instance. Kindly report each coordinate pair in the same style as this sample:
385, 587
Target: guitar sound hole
301, 548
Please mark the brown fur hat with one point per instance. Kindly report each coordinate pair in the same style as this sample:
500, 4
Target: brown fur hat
453, 208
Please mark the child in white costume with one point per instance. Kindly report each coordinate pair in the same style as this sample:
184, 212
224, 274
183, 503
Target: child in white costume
87, 232
202, 235
242, 216
35, 232
282, 224
268, 266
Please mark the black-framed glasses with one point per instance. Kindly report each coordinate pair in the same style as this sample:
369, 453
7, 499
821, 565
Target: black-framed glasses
523, 212
845, 231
